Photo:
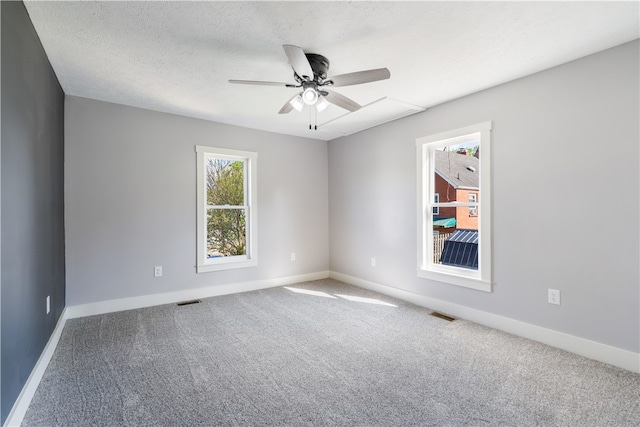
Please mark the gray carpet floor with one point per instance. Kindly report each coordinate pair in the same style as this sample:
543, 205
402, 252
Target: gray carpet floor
318, 353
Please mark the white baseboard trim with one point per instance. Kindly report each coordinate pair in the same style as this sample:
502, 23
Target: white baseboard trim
593, 350
604, 353
132, 303
23, 401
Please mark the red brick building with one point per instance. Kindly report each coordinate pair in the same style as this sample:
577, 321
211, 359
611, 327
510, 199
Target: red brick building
456, 180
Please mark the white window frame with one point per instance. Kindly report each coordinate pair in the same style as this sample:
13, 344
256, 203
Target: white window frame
480, 279
250, 259
436, 199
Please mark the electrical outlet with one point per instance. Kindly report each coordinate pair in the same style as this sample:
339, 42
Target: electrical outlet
373, 262
554, 296
48, 304
157, 271
293, 256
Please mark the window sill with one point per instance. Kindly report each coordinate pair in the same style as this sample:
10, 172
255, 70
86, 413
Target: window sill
230, 265
455, 279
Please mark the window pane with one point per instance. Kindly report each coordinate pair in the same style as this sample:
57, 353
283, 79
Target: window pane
226, 232
225, 182
457, 168
455, 229
455, 239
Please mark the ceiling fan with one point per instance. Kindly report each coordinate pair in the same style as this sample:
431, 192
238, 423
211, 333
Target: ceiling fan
310, 74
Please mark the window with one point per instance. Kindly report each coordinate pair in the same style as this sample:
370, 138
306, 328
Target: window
473, 209
458, 163
226, 209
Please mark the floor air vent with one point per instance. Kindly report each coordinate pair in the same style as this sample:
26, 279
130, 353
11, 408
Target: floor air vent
442, 316
194, 301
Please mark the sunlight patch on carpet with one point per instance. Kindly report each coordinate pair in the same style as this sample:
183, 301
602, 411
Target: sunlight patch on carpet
365, 300
309, 292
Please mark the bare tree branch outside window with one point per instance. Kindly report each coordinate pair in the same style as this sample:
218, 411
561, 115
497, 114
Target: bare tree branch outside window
226, 209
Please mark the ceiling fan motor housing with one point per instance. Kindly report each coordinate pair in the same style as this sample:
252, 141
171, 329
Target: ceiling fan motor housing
319, 65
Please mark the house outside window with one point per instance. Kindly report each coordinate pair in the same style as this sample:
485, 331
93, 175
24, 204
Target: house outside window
226, 209
451, 165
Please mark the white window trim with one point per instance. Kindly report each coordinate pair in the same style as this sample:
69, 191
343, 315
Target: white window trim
436, 198
480, 279
203, 264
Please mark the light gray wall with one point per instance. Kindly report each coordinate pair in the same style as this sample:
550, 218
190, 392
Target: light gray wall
131, 197
32, 201
566, 198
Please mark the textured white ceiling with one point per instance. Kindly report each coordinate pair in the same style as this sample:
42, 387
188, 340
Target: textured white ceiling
177, 56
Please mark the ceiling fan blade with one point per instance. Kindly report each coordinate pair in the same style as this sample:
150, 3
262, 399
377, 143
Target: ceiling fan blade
287, 107
298, 61
260, 83
360, 77
342, 101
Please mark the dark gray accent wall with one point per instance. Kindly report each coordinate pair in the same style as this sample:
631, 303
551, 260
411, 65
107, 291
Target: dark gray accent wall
32, 201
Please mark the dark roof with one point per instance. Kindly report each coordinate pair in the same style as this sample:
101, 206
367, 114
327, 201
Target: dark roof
458, 169
461, 249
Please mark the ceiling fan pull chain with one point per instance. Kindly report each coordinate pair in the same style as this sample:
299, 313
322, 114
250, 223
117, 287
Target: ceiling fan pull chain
315, 117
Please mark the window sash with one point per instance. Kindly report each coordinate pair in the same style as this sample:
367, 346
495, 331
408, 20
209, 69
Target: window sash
454, 204
245, 184
219, 259
227, 207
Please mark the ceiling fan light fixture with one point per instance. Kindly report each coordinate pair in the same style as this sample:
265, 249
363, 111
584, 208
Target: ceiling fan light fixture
297, 103
322, 104
310, 96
